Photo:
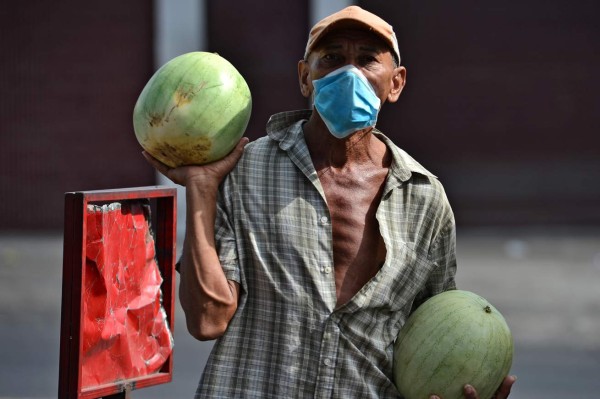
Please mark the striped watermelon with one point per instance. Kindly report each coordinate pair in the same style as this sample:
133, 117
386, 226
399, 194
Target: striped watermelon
454, 338
193, 110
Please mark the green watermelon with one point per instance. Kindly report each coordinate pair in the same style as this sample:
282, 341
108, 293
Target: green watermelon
193, 110
454, 338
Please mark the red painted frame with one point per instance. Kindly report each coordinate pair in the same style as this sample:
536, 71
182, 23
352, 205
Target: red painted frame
165, 215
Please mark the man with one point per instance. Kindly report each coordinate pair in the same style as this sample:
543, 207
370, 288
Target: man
305, 255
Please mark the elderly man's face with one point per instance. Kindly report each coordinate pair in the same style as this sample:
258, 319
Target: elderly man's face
365, 51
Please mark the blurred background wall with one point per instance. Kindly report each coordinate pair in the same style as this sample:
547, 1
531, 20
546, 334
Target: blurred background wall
501, 102
69, 75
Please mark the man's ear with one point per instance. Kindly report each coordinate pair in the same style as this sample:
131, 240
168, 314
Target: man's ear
398, 82
303, 78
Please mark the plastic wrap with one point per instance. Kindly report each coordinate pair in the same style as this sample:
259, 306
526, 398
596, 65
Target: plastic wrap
125, 329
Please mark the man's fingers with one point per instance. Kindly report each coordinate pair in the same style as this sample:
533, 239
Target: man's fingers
242, 143
501, 393
161, 167
237, 151
505, 387
213, 171
470, 392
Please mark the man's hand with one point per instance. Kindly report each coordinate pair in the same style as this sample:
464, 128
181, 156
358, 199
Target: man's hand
212, 173
502, 392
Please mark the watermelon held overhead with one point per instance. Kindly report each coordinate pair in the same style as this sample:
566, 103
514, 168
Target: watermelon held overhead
193, 110
454, 338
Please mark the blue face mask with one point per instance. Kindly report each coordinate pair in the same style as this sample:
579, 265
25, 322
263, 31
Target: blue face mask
346, 101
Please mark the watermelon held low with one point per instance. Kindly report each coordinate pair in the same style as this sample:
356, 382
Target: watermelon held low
453, 339
193, 110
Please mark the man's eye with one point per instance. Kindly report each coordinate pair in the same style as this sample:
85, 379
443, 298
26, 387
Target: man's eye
331, 57
368, 59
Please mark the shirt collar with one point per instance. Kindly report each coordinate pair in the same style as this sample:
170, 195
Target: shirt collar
404, 165
286, 127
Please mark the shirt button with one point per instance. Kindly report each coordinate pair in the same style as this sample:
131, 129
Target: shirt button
328, 362
327, 270
324, 219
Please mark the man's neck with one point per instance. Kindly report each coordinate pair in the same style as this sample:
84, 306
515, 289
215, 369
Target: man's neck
361, 148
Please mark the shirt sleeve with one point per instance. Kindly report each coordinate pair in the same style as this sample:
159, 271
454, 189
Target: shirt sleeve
443, 256
225, 237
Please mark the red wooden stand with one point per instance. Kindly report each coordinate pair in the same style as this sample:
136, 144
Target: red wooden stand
164, 215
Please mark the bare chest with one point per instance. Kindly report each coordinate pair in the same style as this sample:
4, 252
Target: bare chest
358, 247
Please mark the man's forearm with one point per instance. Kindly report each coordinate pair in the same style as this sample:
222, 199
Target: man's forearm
208, 299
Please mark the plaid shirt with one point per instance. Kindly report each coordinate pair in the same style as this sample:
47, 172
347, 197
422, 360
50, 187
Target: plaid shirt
287, 338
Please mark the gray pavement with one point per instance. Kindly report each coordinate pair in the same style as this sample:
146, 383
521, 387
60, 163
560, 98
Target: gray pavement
546, 283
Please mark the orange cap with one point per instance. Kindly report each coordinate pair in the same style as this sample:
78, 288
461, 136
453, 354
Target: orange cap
358, 17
